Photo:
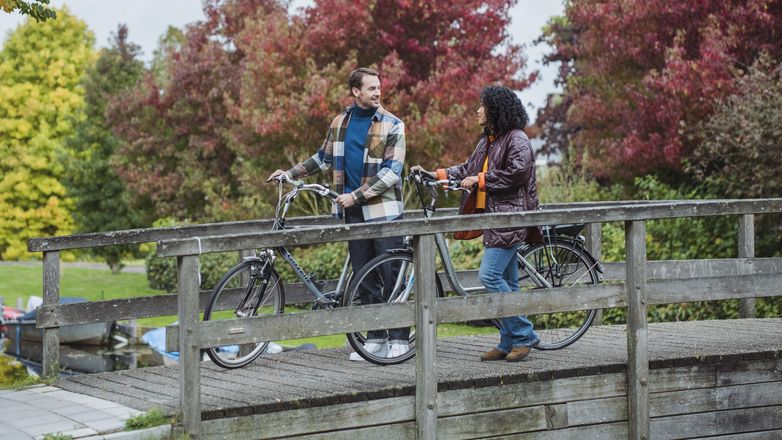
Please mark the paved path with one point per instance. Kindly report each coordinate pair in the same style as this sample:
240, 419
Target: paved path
34, 412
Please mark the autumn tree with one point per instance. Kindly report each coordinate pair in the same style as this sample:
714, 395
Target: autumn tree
641, 76
37, 9
254, 88
101, 202
41, 65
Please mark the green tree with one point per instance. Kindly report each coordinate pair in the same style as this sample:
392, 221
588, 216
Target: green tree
37, 9
741, 156
100, 199
742, 149
41, 66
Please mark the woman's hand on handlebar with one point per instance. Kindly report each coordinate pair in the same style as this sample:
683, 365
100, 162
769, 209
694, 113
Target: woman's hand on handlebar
420, 170
469, 182
275, 175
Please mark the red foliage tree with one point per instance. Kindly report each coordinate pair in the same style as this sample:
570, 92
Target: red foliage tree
254, 88
641, 76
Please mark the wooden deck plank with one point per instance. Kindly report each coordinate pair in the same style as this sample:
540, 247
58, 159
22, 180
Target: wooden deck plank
97, 387
310, 379
214, 384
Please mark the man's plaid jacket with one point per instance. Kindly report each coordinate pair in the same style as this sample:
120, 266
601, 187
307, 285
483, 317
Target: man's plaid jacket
380, 193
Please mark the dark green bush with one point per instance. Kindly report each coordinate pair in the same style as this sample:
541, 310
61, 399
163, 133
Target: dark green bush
325, 260
161, 272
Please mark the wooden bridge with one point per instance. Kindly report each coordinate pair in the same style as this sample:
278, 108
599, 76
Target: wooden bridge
640, 381
706, 378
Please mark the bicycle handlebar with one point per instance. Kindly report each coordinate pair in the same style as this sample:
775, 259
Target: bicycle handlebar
446, 184
322, 190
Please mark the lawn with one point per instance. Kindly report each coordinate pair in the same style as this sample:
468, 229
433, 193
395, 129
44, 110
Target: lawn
92, 284
96, 284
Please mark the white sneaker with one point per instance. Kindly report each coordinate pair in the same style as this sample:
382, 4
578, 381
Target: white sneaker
397, 348
379, 349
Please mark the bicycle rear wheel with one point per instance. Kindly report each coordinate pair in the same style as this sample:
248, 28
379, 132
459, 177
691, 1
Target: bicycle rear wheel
386, 278
563, 264
251, 288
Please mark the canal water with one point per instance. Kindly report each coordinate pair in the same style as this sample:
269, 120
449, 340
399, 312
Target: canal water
82, 359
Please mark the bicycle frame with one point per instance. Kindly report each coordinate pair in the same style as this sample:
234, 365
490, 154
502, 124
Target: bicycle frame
283, 205
442, 246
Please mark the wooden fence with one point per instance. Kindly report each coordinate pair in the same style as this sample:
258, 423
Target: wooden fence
744, 277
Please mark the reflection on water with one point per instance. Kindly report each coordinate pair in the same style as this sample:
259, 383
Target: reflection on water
85, 359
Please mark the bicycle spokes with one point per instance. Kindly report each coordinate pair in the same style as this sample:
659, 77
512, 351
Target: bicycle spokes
251, 288
558, 264
257, 286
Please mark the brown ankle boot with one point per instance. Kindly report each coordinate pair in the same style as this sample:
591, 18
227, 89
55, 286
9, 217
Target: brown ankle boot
517, 354
493, 355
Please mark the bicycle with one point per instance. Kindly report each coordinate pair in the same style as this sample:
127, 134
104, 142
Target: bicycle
253, 287
561, 260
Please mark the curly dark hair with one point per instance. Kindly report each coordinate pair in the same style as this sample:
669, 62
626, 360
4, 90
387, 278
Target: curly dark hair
504, 110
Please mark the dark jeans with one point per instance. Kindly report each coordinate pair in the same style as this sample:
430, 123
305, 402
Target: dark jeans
373, 289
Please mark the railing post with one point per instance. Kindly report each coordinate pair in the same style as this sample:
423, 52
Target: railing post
51, 296
594, 243
637, 337
189, 350
747, 250
426, 334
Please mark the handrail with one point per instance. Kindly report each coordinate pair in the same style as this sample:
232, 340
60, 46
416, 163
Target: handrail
325, 234
148, 235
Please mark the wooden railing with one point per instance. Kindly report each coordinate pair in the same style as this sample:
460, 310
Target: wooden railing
52, 315
645, 283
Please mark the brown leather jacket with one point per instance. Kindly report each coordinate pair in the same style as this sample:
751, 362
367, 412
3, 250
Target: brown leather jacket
509, 182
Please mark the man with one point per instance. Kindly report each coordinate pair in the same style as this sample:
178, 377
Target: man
365, 149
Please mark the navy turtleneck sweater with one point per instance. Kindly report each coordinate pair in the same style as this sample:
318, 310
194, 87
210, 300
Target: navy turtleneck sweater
356, 136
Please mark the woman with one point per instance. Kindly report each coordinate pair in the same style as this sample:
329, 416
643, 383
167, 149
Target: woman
503, 168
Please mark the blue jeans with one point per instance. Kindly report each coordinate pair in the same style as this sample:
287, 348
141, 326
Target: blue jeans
500, 273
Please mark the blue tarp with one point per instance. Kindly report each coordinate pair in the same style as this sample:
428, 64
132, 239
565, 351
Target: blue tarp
156, 339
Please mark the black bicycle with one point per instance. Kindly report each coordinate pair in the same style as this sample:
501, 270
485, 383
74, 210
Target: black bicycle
560, 261
253, 287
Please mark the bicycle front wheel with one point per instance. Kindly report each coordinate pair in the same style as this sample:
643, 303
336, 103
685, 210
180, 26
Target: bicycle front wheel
387, 278
251, 288
562, 264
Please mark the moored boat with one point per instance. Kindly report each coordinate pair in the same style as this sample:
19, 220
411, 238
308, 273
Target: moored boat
23, 330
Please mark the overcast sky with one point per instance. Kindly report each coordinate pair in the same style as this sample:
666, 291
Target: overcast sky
147, 20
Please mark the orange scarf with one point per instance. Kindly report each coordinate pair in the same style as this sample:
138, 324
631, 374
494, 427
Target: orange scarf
480, 201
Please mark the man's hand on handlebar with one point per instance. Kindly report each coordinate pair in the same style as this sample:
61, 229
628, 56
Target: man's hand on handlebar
345, 200
276, 175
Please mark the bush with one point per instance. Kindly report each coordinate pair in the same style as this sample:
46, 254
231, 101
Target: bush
678, 238
161, 272
325, 260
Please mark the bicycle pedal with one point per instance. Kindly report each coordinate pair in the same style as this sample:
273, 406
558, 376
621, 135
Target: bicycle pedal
325, 304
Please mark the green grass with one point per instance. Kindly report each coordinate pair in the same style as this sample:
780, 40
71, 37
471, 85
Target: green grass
153, 417
92, 284
57, 436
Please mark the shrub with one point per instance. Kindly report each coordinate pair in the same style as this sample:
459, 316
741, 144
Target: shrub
161, 272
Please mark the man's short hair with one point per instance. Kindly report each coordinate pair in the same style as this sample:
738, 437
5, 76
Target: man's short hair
356, 78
